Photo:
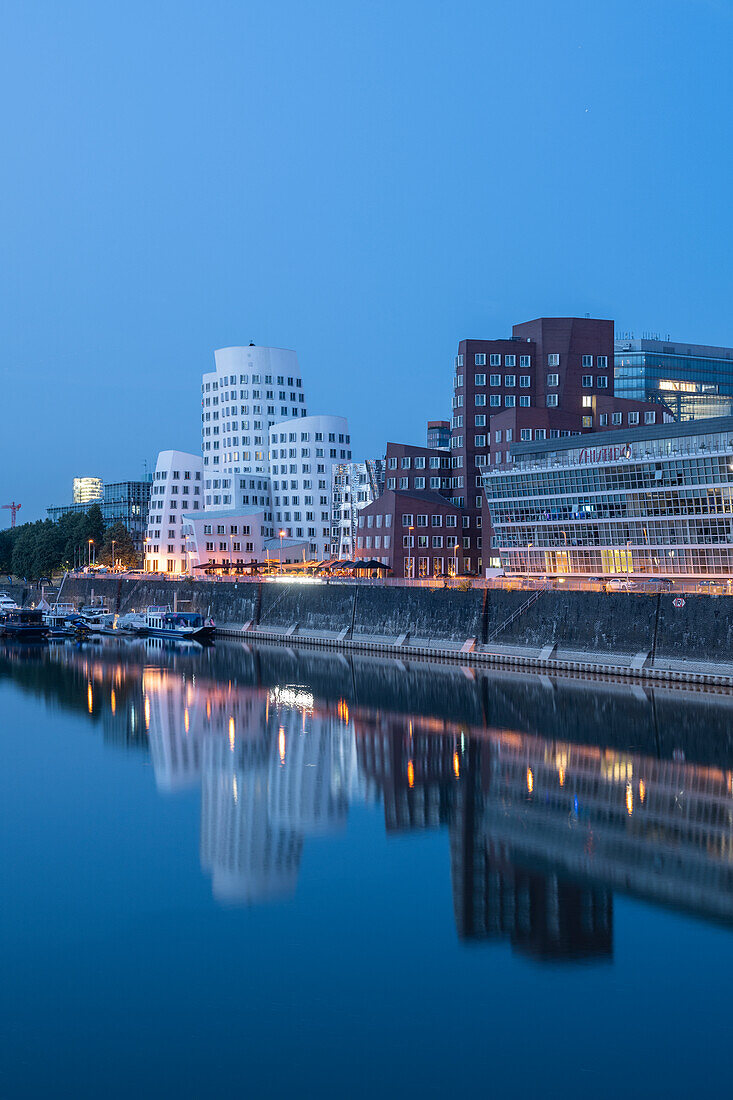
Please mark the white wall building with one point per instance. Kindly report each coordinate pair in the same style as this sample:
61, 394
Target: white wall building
353, 486
176, 490
302, 453
251, 389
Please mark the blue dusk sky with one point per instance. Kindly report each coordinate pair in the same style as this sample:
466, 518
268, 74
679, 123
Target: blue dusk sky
365, 182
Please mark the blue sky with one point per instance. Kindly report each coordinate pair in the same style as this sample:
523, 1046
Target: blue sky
365, 182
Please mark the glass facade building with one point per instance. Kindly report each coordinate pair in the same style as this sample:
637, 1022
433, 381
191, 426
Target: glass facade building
693, 380
647, 502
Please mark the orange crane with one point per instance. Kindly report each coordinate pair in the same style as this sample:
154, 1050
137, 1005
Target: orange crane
14, 509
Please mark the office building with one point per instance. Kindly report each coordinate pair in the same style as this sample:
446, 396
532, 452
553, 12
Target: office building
250, 390
642, 502
87, 489
302, 454
552, 378
353, 486
416, 494
438, 435
693, 380
176, 490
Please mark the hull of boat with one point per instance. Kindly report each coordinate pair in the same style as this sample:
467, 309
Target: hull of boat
194, 634
24, 633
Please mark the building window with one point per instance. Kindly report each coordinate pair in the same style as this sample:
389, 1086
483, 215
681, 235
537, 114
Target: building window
553, 379
587, 360
510, 360
616, 418
479, 359
525, 401
459, 360
407, 519
479, 379
525, 360
553, 360
602, 381
479, 420
494, 379
587, 421
479, 399
525, 381
494, 360
495, 400
509, 400
587, 381
603, 420
602, 362
650, 417
633, 418
587, 401
436, 521
510, 379
525, 434
552, 400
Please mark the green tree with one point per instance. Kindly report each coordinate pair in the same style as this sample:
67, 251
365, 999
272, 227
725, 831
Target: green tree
124, 547
95, 529
24, 550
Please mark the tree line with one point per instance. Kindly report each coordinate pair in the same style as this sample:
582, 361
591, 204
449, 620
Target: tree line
34, 550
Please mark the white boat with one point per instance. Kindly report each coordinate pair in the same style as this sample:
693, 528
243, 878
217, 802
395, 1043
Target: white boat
161, 622
132, 622
7, 603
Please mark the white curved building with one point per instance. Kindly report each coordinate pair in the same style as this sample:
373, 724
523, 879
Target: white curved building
302, 454
176, 489
251, 389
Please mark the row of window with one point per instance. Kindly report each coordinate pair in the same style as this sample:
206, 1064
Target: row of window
406, 462
553, 360
231, 380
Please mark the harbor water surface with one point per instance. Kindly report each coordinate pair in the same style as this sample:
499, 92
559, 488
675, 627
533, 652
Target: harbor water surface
279, 873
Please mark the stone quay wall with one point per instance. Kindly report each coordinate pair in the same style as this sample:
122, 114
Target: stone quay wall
590, 622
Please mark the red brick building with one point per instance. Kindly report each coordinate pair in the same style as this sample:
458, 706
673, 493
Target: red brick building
554, 376
417, 532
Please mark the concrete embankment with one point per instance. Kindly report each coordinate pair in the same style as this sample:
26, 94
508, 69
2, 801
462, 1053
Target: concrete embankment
618, 633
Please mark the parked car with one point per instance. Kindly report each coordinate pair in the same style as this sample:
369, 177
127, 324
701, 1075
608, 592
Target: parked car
619, 584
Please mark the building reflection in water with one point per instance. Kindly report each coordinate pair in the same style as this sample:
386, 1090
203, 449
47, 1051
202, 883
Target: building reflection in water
542, 831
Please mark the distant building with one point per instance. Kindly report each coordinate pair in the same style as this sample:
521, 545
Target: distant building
693, 380
87, 489
122, 501
353, 486
439, 434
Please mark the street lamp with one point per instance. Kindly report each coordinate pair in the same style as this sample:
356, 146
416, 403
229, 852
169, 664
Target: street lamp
411, 556
113, 553
90, 544
282, 535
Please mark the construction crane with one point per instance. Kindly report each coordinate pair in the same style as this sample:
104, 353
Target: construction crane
14, 509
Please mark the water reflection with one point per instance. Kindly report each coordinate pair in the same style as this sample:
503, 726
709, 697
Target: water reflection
555, 794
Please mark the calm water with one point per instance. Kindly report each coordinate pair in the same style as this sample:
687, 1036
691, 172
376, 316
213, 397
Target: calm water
286, 873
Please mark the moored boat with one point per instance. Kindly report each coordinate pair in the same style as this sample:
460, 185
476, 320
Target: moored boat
7, 603
24, 624
161, 622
